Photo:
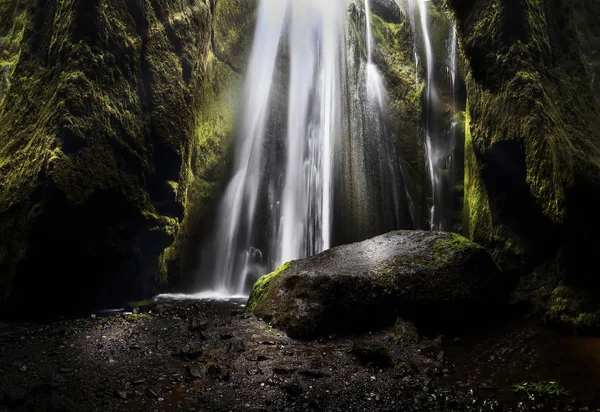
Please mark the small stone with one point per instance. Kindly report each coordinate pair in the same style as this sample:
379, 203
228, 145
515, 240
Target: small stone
121, 394
198, 324
151, 393
195, 371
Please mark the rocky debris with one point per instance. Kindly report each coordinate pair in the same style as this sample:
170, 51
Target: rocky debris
437, 278
198, 324
288, 375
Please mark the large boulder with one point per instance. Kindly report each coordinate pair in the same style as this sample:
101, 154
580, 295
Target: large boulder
436, 277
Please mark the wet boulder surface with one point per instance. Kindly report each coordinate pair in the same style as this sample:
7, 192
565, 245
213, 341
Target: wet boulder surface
434, 278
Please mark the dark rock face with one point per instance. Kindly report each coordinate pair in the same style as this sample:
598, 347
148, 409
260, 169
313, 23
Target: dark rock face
532, 149
439, 277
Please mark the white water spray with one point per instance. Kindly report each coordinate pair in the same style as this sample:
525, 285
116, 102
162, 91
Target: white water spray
300, 217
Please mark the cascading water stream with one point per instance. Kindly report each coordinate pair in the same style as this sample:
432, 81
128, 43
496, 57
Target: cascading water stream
440, 133
313, 124
377, 103
299, 215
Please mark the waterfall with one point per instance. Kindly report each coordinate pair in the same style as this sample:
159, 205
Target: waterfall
440, 127
313, 136
297, 174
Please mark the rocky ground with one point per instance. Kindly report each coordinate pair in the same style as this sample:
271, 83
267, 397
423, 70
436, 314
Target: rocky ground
214, 356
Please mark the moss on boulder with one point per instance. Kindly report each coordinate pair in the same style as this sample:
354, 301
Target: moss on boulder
438, 277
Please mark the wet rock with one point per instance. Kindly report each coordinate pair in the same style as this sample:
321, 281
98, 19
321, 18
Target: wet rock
441, 279
388, 10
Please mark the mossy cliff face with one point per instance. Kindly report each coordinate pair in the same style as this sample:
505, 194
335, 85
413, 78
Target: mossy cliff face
104, 127
533, 153
364, 195
232, 30
395, 58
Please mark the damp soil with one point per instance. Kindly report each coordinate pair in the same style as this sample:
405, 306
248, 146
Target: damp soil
214, 356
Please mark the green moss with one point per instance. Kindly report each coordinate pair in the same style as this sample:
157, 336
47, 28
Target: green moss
446, 249
535, 390
393, 54
213, 133
99, 106
477, 220
534, 91
234, 22
137, 317
262, 285
569, 307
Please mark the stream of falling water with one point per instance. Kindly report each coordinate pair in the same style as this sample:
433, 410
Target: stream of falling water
301, 193
440, 134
